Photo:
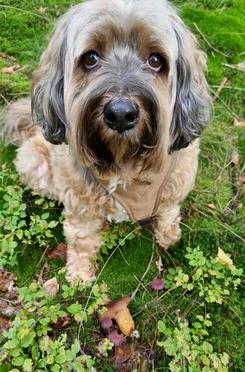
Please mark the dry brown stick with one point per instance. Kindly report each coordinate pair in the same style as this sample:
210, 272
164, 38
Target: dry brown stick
220, 87
210, 45
233, 67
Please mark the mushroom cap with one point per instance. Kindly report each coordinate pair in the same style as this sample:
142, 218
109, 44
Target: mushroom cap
157, 284
115, 307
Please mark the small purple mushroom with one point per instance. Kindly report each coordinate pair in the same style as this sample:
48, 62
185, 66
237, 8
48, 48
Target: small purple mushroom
117, 339
157, 284
106, 323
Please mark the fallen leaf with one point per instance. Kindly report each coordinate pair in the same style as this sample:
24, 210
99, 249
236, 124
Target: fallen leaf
223, 258
238, 123
235, 157
157, 284
58, 252
4, 56
42, 10
211, 206
10, 303
5, 323
7, 280
242, 180
9, 70
51, 287
123, 353
159, 265
241, 66
62, 322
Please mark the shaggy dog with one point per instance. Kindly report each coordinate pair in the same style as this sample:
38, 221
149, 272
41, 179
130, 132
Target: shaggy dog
118, 103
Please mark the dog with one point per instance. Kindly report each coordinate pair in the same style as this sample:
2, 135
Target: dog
118, 103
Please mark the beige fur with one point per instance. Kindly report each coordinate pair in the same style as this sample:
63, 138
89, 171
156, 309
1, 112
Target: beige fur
67, 172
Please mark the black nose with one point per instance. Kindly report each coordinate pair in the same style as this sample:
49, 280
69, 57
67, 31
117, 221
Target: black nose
121, 115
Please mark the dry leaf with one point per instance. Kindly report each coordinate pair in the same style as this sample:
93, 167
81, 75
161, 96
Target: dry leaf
223, 258
5, 323
211, 206
42, 10
9, 70
62, 322
241, 66
242, 180
123, 353
10, 303
159, 265
51, 287
238, 123
235, 157
58, 252
7, 280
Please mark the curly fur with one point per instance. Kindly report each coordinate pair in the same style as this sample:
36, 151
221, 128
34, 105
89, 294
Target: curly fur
67, 145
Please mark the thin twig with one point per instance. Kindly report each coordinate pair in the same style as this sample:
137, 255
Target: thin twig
220, 87
210, 45
145, 273
24, 11
233, 67
229, 87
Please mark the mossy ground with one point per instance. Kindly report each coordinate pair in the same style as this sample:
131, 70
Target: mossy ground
24, 31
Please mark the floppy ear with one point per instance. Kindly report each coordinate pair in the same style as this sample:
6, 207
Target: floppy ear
48, 89
191, 111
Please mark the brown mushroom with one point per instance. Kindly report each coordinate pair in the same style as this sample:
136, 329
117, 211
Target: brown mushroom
119, 312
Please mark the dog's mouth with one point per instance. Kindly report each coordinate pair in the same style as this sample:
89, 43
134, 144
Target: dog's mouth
117, 130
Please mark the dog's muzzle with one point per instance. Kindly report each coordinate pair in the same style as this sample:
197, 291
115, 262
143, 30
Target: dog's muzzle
121, 114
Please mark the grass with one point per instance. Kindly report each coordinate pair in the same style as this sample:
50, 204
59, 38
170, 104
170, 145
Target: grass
219, 26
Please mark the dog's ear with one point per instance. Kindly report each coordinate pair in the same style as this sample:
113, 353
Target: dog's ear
192, 107
48, 89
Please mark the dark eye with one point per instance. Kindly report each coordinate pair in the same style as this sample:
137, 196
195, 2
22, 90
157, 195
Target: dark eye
90, 60
156, 61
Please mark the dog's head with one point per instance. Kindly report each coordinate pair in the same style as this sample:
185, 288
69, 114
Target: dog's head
121, 81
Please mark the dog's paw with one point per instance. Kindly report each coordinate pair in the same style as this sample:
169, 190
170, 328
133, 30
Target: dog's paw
79, 271
168, 236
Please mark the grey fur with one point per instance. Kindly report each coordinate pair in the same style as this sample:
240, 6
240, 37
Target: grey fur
191, 112
48, 101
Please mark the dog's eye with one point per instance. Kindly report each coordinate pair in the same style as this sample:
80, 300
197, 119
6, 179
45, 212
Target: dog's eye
90, 60
155, 61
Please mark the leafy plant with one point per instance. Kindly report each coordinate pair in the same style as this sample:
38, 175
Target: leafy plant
18, 225
211, 277
30, 344
187, 346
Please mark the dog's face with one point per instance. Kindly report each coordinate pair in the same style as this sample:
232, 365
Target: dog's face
122, 82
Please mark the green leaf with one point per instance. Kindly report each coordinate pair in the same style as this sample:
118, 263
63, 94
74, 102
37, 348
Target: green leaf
207, 347
19, 361
27, 366
75, 347
161, 326
60, 358
27, 340
205, 360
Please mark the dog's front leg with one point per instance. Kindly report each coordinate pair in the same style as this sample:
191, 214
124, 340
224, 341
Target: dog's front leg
84, 239
166, 226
